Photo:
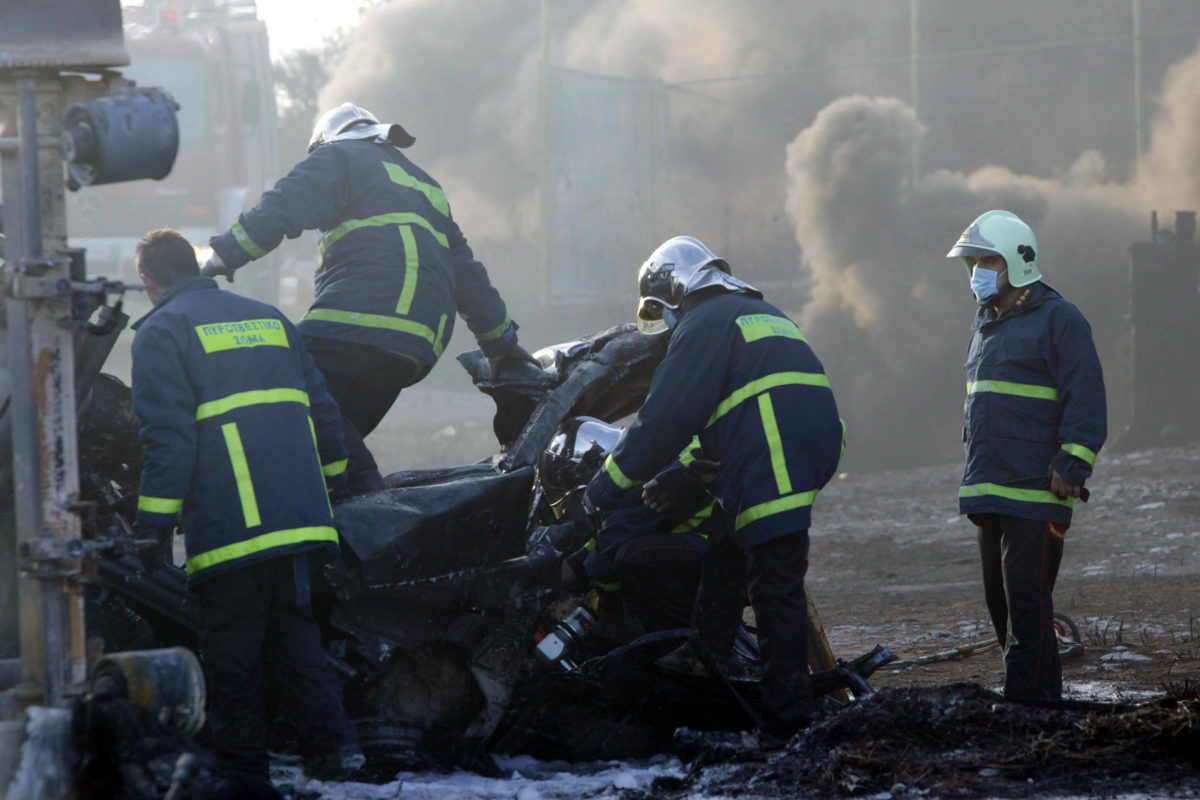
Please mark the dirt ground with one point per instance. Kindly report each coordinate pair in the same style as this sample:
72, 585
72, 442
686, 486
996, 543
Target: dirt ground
893, 563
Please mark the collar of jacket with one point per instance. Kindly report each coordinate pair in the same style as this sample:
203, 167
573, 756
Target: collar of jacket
1028, 298
181, 287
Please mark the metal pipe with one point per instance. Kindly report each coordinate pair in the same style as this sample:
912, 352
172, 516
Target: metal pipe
31, 211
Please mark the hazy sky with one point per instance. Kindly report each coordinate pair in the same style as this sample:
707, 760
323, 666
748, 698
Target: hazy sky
292, 24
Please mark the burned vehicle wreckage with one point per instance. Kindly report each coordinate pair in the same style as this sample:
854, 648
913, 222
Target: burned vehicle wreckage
443, 615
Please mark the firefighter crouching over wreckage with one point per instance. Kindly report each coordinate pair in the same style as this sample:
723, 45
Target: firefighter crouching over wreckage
394, 270
739, 374
241, 438
1035, 419
648, 551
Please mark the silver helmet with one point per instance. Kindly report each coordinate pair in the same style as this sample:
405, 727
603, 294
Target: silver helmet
680, 266
349, 121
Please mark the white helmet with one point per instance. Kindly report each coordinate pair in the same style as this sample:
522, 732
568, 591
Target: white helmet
1002, 233
680, 266
349, 121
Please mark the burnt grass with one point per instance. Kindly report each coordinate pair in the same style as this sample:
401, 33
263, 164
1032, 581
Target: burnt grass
962, 740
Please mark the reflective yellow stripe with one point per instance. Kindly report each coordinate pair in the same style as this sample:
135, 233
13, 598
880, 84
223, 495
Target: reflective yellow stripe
412, 265
494, 333
378, 321
1079, 451
438, 344
334, 468
1017, 389
774, 444
619, 477
317, 449
243, 333
241, 472
689, 453
1010, 493
159, 505
696, 520
255, 397
761, 385
319, 533
434, 194
243, 239
395, 218
608, 587
772, 507
843, 452
761, 326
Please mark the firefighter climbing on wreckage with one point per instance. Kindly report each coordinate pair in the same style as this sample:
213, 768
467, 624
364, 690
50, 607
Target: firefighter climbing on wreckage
741, 376
240, 440
395, 269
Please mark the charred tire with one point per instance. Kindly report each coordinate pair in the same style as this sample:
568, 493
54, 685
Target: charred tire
1067, 633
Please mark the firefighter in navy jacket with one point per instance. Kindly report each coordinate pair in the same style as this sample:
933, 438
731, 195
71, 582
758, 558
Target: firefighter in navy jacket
740, 375
240, 439
1035, 420
395, 269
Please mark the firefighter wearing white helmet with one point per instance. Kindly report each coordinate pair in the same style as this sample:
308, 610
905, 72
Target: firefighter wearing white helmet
739, 374
1035, 419
395, 273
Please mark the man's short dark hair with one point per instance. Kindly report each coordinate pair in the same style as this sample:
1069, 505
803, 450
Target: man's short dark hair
167, 257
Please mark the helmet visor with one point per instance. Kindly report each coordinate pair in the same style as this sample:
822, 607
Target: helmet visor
650, 316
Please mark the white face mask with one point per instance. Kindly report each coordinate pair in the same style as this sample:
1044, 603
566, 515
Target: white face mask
985, 283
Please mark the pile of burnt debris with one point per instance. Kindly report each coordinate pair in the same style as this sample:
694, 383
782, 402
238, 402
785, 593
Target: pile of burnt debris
965, 741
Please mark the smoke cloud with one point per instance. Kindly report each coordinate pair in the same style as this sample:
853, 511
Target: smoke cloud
786, 137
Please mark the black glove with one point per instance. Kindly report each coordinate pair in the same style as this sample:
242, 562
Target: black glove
514, 361
215, 266
159, 553
681, 490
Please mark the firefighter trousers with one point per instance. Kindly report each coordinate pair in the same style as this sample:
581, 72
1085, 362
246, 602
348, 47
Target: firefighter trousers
1020, 560
659, 575
365, 382
773, 575
257, 619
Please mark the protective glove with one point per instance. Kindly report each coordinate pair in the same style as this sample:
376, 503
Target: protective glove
680, 490
159, 553
215, 266
516, 359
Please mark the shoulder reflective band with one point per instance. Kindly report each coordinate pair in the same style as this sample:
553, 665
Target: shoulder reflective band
494, 333
1011, 493
243, 333
772, 507
241, 473
618, 477
762, 326
412, 265
1082, 453
761, 385
159, 505
434, 194
255, 397
377, 321
396, 218
1016, 389
243, 239
267, 541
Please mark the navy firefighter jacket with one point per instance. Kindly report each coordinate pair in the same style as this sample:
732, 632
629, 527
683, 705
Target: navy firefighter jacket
239, 432
740, 374
394, 265
1035, 402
